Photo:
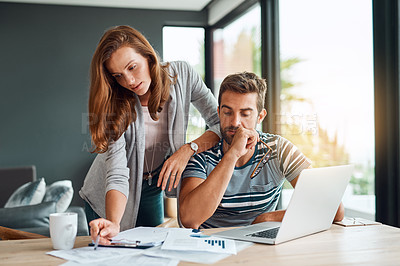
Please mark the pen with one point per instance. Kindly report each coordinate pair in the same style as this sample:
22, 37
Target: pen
96, 244
200, 236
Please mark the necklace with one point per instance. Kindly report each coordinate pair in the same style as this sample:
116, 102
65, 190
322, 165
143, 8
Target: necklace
150, 176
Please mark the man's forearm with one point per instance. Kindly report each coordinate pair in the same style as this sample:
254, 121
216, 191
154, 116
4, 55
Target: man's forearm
200, 204
274, 216
339, 214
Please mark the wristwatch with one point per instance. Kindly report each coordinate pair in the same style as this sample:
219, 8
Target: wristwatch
194, 147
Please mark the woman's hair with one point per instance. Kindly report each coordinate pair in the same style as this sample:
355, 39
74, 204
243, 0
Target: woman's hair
111, 106
245, 82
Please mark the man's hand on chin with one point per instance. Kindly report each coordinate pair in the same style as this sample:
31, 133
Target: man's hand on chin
244, 140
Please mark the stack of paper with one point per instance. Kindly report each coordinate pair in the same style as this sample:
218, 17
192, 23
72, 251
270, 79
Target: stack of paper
178, 244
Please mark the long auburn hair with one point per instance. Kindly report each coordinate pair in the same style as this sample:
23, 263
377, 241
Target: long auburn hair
111, 106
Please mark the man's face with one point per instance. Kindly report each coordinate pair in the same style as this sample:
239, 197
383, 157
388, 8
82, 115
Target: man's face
238, 109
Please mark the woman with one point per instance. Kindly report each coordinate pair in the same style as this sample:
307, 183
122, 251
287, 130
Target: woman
139, 111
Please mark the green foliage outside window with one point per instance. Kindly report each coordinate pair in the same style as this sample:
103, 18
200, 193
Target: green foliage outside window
316, 143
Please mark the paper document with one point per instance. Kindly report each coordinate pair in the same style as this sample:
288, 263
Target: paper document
196, 246
355, 222
142, 235
195, 256
185, 239
89, 255
129, 260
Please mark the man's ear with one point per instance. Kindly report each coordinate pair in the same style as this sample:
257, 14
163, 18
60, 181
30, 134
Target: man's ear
218, 110
261, 116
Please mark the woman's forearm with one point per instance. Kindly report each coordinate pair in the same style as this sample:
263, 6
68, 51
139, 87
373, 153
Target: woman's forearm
175, 165
206, 141
115, 206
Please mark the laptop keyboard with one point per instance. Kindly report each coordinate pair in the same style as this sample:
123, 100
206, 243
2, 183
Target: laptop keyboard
269, 233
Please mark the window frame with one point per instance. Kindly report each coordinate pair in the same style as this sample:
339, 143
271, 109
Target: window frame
386, 91
387, 112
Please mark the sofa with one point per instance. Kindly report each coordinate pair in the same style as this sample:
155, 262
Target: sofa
30, 204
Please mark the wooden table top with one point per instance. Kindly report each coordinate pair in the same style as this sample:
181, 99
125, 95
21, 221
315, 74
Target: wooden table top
358, 245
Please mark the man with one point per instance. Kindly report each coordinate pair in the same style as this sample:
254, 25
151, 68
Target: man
238, 181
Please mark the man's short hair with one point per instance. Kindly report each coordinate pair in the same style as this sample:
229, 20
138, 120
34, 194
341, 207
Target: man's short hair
245, 82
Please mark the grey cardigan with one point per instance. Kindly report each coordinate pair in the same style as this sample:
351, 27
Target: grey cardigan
121, 167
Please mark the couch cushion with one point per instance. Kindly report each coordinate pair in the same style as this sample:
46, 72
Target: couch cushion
28, 194
43, 230
60, 192
27, 216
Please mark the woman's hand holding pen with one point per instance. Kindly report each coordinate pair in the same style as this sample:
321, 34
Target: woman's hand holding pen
173, 167
105, 228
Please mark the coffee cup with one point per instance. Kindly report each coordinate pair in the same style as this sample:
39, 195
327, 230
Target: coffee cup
63, 228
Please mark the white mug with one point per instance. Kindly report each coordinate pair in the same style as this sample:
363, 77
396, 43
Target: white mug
63, 228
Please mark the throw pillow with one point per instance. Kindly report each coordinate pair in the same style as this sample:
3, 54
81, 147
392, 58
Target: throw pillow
27, 216
61, 192
28, 194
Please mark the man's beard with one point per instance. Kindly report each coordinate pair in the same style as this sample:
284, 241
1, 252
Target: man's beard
228, 138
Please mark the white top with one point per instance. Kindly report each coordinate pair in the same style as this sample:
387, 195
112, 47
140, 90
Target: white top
156, 135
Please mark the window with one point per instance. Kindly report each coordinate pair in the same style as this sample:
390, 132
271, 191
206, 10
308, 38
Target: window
237, 47
327, 97
187, 44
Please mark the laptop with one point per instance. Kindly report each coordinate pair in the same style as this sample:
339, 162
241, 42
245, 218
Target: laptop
311, 209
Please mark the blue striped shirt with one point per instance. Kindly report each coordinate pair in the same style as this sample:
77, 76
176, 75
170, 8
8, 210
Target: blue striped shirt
245, 198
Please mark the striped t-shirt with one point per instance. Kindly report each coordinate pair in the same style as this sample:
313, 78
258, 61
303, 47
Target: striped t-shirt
245, 198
